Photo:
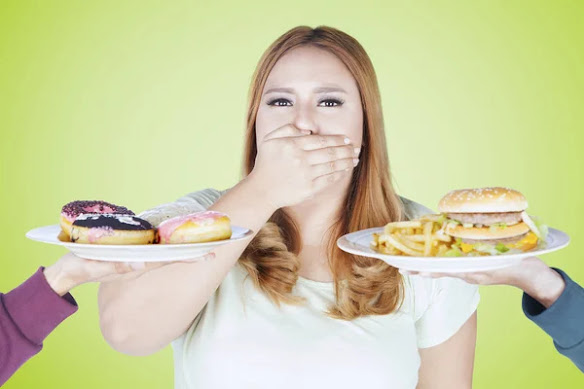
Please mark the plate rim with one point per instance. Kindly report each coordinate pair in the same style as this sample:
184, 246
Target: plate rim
246, 233
343, 240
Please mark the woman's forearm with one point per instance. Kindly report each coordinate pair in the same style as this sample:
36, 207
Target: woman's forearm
143, 315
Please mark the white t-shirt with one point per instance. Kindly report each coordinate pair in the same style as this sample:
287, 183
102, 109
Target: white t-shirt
242, 340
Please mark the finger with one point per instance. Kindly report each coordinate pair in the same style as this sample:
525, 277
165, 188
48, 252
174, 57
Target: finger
204, 258
319, 183
440, 275
333, 166
143, 266
461, 276
155, 265
327, 154
313, 142
135, 269
122, 267
285, 131
137, 265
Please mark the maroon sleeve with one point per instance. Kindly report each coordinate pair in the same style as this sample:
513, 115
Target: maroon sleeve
27, 315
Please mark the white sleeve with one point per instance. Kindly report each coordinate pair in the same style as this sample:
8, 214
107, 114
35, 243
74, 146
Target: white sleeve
451, 303
193, 202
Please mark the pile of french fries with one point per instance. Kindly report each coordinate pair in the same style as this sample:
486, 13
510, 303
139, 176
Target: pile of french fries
423, 237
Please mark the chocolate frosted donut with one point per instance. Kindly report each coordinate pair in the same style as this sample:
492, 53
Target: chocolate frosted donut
76, 208
111, 229
72, 210
115, 221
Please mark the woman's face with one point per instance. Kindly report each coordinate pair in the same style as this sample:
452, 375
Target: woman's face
311, 89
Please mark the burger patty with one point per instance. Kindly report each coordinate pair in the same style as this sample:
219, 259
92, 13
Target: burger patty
486, 219
513, 239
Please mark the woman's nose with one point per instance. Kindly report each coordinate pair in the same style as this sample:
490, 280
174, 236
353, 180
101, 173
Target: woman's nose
304, 119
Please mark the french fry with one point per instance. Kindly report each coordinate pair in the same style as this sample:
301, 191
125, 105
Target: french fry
442, 249
420, 237
389, 227
400, 246
428, 238
415, 238
407, 242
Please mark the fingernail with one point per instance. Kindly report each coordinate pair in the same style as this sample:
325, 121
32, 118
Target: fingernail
356, 150
347, 141
355, 161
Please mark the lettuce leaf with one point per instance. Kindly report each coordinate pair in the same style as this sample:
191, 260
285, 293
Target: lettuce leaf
500, 247
543, 229
486, 248
453, 252
442, 218
496, 226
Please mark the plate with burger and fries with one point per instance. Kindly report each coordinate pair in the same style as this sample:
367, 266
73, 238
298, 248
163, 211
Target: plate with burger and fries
476, 230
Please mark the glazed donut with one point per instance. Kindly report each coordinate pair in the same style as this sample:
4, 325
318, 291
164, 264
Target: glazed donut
70, 211
196, 227
106, 228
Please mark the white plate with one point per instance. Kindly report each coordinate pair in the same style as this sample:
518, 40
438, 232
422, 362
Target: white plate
134, 253
358, 243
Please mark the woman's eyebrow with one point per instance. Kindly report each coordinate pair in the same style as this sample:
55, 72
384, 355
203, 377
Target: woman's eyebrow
328, 89
322, 89
284, 90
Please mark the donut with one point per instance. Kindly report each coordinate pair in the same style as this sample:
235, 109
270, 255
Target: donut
71, 210
196, 227
107, 228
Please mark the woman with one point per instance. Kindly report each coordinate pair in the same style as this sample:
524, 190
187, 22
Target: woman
289, 309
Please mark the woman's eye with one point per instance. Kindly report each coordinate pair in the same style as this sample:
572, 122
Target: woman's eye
280, 102
330, 103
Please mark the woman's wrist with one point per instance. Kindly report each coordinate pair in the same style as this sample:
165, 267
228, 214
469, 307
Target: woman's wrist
257, 191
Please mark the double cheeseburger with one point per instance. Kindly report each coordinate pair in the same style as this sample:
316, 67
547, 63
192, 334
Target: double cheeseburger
489, 220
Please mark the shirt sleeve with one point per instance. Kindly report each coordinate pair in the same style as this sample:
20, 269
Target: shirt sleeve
413, 209
563, 320
27, 315
451, 302
193, 202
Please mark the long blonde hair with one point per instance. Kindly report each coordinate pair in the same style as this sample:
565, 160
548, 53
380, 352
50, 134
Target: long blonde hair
363, 285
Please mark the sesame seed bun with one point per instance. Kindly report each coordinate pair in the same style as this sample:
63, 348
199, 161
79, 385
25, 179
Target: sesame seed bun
482, 200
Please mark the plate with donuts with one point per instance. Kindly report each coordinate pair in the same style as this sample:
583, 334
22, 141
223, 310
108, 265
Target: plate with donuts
104, 231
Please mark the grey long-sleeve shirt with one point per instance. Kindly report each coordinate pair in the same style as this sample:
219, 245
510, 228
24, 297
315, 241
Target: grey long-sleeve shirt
563, 320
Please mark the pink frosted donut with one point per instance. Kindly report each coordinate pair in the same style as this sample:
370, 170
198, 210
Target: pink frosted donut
72, 210
205, 226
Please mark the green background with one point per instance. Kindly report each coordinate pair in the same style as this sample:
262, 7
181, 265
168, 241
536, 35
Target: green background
138, 103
